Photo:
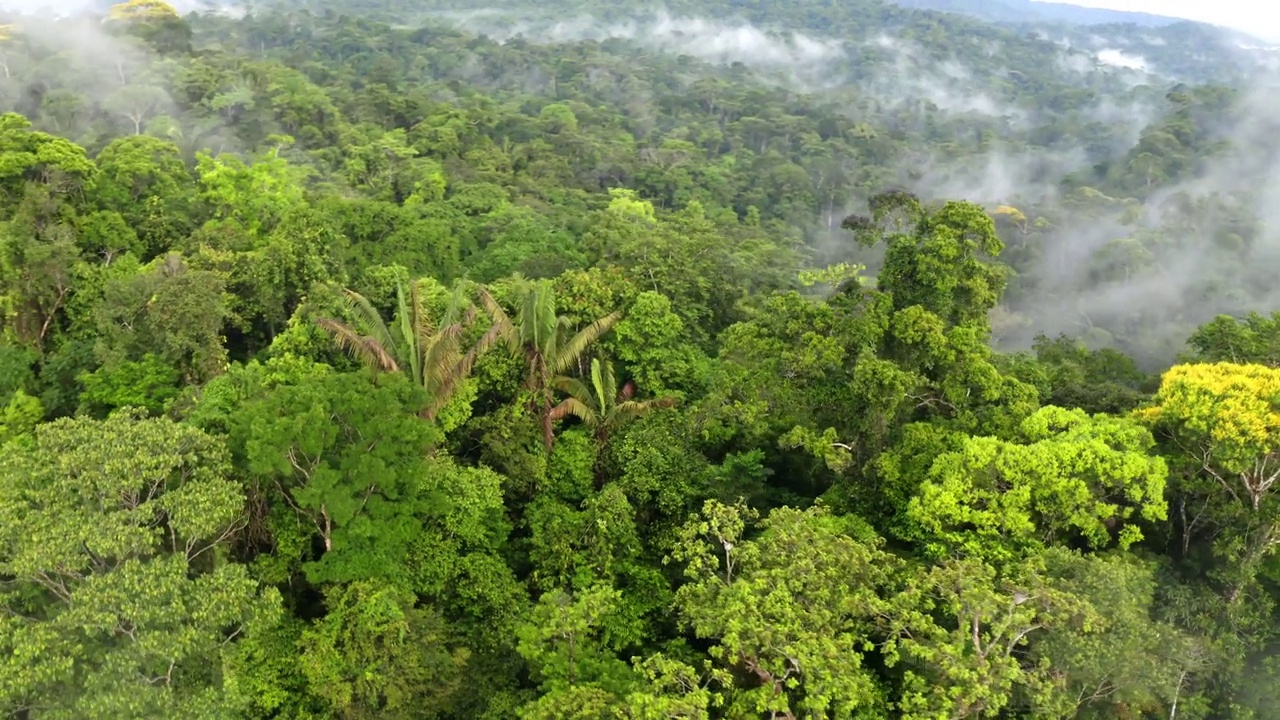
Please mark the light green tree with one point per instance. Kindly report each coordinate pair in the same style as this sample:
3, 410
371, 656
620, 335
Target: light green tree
562, 641
673, 690
789, 611
119, 598
1071, 478
960, 631
344, 459
376, 655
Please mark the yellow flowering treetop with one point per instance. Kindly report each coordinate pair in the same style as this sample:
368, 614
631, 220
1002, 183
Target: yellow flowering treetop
1225, 418
142, 10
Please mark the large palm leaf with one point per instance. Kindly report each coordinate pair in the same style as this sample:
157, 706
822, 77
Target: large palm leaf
437, 351
576, 408
546, 339
413, 326
625, 412
367, 338
538, 325
503, 329
568, 351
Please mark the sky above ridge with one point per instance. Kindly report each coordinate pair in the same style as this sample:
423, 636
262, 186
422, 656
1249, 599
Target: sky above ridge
1259, 18
1256, 17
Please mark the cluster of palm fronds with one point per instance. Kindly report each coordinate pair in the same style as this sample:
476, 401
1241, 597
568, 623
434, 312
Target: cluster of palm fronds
435, 355
430, 353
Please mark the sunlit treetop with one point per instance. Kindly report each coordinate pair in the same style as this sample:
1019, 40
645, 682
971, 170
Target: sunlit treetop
1010, 212
135, 10
7, 31
1227, 403
1224, 418
626, 202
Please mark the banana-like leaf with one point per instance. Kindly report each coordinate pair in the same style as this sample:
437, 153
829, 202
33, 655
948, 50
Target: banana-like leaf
574, 407
573, 348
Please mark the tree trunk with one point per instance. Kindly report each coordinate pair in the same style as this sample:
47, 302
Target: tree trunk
548, 428
602, 441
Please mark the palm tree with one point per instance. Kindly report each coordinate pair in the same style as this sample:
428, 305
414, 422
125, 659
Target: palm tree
549, 345
431, 355
602, 406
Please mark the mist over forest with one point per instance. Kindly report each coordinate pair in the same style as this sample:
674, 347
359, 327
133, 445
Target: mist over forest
636, 361
1129, 277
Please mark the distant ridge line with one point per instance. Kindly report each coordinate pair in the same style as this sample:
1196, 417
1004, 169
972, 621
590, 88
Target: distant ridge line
1016, 11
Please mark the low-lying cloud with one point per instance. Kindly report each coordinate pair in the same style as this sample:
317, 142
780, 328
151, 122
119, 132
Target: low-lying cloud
1118, 58
709, 40
1142, 275
101, 75
1172, 276
72, 8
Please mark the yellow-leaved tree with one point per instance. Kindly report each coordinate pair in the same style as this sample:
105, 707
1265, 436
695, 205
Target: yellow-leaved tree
134, 10
1226, 419
155, 22
1219, 424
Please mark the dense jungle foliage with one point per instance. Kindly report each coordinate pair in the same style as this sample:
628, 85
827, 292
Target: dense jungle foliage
764, 360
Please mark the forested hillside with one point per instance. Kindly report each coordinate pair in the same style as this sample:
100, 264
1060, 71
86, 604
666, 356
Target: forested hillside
389, 359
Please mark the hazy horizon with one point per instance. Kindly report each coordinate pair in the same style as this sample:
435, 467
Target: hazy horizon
1243, 15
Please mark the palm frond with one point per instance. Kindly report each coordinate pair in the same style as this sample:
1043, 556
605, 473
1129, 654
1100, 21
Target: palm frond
632, 409
460, 308
602, 382
442, 357
364, 348
368, 319
468, 359
574, 407
568, 352
627, 392
609, 382
443, 393
503, 329
537, 319
465, 318
491, 306
426, 332
575, 388
422, 322
492, 336
407, 315
447, 363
